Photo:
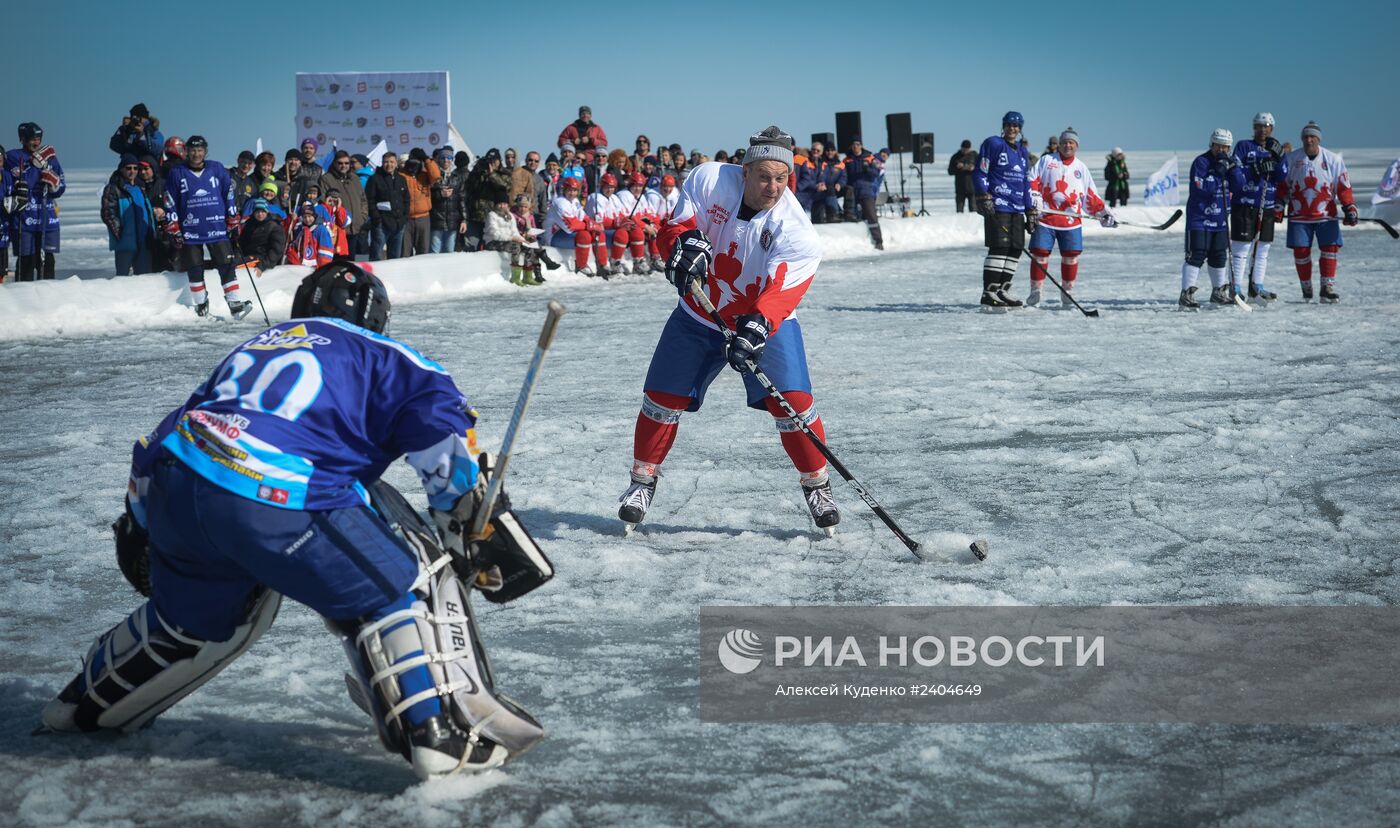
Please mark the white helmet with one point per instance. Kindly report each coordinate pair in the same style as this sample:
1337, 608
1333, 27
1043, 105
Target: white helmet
1264, 119
1222, 136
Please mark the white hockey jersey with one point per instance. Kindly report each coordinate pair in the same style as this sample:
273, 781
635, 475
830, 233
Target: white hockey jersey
1067, 186
762, 265
566, 215
1315, 185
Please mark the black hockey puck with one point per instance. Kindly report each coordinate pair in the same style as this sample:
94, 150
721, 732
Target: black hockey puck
979, 549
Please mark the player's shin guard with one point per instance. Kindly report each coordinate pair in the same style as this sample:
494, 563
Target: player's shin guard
638, 247
657, 425
619, 244
1190, 273
583, 240
1302, 262
1239, 261
1040, 266
1069, 268
1261, 262
805, 456
139, 668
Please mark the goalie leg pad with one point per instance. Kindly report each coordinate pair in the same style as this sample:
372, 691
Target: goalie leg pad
144, 665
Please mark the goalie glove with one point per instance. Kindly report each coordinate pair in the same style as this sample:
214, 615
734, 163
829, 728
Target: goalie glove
133, 551
504, 562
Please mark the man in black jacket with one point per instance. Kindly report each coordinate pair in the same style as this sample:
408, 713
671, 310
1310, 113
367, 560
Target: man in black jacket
960, 166
153, 186
387, 193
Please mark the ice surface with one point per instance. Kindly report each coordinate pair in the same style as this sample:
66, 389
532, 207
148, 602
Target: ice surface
1147, 457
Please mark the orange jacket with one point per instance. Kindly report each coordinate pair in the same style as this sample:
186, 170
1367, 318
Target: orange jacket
420, 189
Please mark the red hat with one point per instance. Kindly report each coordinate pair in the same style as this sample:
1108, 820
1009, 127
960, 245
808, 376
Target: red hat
668, 179
608, 180
636, 179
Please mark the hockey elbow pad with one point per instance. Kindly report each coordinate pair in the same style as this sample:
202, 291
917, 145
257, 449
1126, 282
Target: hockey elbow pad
133, 551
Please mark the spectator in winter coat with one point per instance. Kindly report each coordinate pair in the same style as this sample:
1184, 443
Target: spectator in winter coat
571, 167
266, 162
263, 241
503, 235
129, 219
309, 148
510, 160
594, 172
585, 136
643, 149
487, 185
387, 193
960, 166
863, 172
523, 179
546, 188
245, 180
292, 179
1116, 174
831, 185
153, 187
342, 178
138, 135
268, 194
420, 173
445, 219
332, 213
617, 164
805, 173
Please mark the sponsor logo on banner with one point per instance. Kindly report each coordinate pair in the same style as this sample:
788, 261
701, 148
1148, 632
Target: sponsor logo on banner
433, 138
335, 87
418, 121
389, 121
306, 122
415, 98
347, 104
1163, 186
374, 104
389, 88
362, 87
403, 137
403, 104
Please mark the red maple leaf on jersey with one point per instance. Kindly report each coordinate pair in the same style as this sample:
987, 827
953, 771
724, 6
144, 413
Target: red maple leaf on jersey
1060, 198
1310, 200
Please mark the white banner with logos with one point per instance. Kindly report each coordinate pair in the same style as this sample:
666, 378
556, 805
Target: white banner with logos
356, 110
1163, 186
1389, 188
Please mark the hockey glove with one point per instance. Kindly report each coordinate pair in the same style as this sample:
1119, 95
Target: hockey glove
1278, 215
1222, 165
1264, 167
750, 335
690, 260
1353, 216
1032, 216
42, 158
985, 207
133, 551
1274, 147
1107, 219
50, 179
234, 224
19, 196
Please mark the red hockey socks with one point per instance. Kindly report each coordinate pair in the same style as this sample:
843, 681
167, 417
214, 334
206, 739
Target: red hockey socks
657, 425
582, 241
1327, 262
1040, 265
805, 456
1302, 260
1069, 269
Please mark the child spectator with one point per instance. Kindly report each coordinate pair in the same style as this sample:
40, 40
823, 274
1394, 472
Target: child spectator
263, 241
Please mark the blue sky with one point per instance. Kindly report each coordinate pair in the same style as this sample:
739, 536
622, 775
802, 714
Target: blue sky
1139, 77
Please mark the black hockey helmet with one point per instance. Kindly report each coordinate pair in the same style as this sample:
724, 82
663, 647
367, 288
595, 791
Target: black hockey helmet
28, 130
342, 289
196, 142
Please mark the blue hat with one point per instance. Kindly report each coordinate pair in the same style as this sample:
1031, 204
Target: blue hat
128, 160
259, 204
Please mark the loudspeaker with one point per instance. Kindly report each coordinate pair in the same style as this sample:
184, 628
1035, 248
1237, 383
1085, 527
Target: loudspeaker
923, 148
899, 132
828, 139
847, 129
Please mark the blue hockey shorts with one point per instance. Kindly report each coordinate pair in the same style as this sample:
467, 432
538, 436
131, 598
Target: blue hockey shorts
690, 355
1301, 234
1045, 238
210, 548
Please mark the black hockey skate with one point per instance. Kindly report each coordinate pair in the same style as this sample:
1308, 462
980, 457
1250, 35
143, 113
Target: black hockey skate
1328, 295
1187, 300
822, 505
1263, 294
238, 310
1221, 296
1006, 299
636, 501
439, 748
1306, 285
201, 310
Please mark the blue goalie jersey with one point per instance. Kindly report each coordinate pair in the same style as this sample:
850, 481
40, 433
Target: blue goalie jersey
306, 413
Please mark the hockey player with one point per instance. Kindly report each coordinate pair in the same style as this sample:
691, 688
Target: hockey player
1214, 177
1253, 214
1002, 182
641, 221
256, 488
1317, 180
608, 212
1061, 181
567, 226
37, 182
664, 200
742, 234
200, 214
6, 187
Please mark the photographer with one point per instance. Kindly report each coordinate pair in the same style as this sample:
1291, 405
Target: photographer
139, 134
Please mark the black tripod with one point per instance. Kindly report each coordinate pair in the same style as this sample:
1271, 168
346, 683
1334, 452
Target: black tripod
919, 168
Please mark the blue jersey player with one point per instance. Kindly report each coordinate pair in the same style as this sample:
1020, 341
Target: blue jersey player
1257, 207
255, 489
200, 214
1215, 178
1002, 181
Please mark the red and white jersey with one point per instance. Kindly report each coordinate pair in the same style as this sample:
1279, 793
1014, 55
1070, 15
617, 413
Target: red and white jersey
763, 264
605, 209
664, 206
565, 215
1058, 184
1315, 185
638, 212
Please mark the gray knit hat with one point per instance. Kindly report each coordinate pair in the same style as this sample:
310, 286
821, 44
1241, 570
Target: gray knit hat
1312, 129
772, 144
1069, 135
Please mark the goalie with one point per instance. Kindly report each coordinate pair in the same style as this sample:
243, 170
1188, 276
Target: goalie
263, 485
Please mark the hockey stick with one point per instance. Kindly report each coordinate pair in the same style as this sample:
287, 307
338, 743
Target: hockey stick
1125, 222
1229, 259
978, 547
522, 402
1384, 224
252, 280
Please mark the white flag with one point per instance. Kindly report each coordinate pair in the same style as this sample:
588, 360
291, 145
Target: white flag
260, 149
376, 155
1389, 188
1162, 186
